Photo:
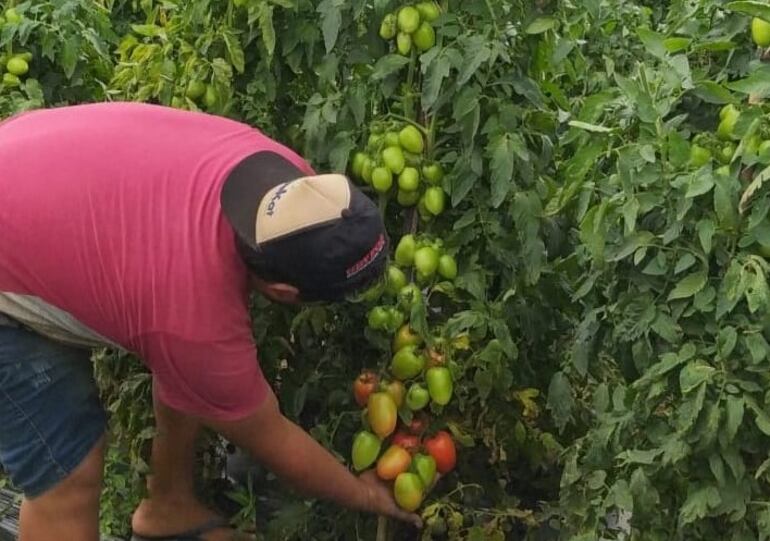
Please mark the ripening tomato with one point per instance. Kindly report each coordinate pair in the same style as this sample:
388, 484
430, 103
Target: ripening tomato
411, 139
407, 363
366, 448
408, 491
382, 414
440, 386
405, 337
405, 251
442, 449
408, 19
364, 385
394, 461
425, 467
410, 442
396, 390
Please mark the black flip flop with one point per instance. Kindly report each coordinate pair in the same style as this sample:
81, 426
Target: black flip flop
189, 535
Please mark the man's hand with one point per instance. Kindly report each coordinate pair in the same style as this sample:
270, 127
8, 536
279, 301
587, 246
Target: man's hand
380, 499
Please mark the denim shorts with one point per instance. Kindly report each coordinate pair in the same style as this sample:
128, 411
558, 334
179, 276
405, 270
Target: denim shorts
50, 412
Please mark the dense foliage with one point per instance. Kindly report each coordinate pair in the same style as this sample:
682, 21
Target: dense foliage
607, 330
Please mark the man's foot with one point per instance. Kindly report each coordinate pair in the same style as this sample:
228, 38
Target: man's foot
154, 518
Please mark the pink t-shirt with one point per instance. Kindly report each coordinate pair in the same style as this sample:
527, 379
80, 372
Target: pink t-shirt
111, 213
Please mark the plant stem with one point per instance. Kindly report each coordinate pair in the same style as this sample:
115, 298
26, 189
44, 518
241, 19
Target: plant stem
382, 528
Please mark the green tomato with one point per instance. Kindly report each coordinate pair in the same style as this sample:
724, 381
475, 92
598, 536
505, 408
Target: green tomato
728, 111
391, 139
9, 79
378, 318
366, 170
764, 152
388, 27
403, 44
408, 19
409, 179
382, 179
426, 260
395, 319
699, 156
374, 141
435, 200
760, 32
406, 363
211, 97
408, 199
408, 296
433, 173
726, 126
425, 467
396, 279
723, 171
405, 249
429, 11
424, 37
393, 158
440, 386
411, 139
447, 267
408, 491
357, 163
417, 397
12, 16
366, 449
17, 66
726, 153
195, 90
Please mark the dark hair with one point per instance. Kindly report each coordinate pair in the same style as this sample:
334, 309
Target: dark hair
264, 268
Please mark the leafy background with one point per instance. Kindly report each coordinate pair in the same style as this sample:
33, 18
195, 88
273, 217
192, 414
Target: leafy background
613, 298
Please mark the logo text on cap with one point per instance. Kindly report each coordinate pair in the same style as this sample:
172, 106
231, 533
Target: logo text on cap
282, 189
368, 258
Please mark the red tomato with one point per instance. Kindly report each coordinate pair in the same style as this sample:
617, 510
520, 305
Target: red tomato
393, 462
364, 385
442, 449
410, 442
418, 425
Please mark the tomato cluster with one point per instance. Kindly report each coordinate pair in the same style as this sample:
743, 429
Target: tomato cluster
410, 27
13, 65
417, 377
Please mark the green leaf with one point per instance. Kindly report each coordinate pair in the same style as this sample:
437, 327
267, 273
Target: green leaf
388, 65
756, 9
435, 73
331, 20
652, 41
762, 419
698, 504
756, 84
731, 288
733, 417
266, 28
685, 262
476, 51
694, 374
757, 346
712, 92
700, 183
68, 55
501, 152
560, 400
726, 341
688, 286
589, 127
234, 51
639, 456
540, 25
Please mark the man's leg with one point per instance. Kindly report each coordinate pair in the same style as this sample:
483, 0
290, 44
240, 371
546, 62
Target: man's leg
51, 435
70, 510
172, 506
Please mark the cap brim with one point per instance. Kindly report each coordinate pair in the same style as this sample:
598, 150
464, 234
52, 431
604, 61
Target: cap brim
246, 186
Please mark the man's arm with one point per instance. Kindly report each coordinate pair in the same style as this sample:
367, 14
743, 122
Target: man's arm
290, 453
